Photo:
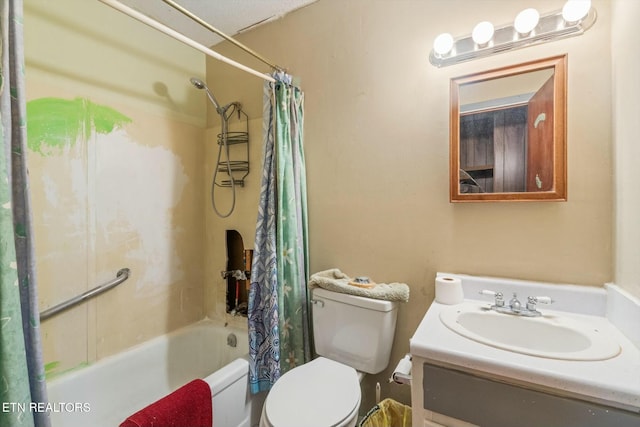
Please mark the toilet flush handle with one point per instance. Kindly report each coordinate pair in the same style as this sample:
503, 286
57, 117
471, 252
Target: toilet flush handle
317, 302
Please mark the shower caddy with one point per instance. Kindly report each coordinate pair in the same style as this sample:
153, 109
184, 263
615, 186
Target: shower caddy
236, 169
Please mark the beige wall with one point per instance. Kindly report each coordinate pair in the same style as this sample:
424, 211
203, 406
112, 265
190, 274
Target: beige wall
376, 135
626, 110
104, 199
376, 141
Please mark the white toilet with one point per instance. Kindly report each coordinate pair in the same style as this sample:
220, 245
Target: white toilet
350, 333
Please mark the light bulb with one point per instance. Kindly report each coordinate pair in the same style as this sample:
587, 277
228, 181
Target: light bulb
443, 44
482, 33
526, 21
575, 10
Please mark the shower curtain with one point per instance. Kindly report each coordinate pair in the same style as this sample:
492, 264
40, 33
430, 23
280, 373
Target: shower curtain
21, 369
279, 327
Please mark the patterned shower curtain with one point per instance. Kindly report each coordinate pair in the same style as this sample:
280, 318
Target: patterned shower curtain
279, 327
21, 369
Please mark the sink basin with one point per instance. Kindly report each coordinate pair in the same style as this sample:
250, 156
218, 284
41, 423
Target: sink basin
557, 336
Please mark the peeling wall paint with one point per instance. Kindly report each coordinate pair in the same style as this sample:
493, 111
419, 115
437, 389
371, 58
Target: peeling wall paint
55, 123
137, 189
106, 198
116, 169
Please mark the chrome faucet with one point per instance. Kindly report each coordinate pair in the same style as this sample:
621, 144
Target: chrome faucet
515, 306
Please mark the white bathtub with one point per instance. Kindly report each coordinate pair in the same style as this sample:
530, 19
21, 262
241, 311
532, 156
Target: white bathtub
107, 392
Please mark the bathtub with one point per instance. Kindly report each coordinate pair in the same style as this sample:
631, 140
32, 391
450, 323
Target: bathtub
107, 392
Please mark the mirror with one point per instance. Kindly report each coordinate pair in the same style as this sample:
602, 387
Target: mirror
507, 133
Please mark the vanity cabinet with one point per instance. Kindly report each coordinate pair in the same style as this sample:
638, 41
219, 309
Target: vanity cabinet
473, 400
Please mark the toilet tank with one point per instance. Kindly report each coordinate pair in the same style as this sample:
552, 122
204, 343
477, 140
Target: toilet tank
353, 330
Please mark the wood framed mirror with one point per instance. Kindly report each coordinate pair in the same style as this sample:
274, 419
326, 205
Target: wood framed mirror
508, 133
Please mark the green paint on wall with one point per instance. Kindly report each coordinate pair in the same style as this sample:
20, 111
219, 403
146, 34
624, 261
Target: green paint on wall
50, 369
55, 123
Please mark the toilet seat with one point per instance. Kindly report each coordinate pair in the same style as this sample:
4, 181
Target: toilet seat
321, 393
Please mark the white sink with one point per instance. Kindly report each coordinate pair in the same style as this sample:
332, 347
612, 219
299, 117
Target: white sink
553, 336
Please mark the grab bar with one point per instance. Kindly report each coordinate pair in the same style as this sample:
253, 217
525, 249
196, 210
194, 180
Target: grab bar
121, 276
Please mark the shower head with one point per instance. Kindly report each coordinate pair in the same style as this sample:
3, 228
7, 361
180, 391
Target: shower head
199, 84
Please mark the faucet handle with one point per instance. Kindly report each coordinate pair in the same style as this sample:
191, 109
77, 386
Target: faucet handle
487, 292
497, 295
541, 300
532, 301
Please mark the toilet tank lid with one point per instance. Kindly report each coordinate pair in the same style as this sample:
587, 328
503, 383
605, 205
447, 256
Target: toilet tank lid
358, 301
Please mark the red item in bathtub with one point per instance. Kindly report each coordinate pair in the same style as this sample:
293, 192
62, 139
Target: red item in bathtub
188, 406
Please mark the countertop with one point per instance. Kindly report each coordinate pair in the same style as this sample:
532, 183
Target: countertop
614, 382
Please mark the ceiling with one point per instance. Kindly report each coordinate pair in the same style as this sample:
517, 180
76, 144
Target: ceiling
229, 16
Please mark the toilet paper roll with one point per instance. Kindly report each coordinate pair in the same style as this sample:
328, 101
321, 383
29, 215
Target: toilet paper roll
402, 373
449, 290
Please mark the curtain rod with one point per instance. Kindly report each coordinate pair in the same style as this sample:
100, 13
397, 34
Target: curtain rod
181, 37
230, 39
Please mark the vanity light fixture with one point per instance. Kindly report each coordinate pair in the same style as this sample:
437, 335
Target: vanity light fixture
482, 33
575, 10
443, 44
526, 21
529, 28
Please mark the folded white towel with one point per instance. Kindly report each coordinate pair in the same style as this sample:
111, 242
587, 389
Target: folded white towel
336, 281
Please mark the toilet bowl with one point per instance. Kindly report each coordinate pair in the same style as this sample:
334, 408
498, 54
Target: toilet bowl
321, 393
350, 332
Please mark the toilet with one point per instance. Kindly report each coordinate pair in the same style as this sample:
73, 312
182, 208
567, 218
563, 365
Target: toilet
353, 335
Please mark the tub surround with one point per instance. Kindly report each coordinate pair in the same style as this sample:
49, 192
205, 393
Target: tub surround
614, 382
114, 130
